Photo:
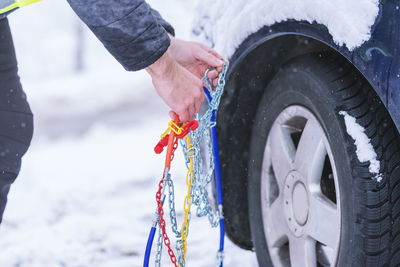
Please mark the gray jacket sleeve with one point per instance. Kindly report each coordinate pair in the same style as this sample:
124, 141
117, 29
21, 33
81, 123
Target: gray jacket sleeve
162, 22
134, 33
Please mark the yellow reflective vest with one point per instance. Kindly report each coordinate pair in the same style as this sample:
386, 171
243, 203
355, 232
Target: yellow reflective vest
8, 5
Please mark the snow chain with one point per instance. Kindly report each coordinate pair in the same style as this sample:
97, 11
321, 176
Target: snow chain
201, 130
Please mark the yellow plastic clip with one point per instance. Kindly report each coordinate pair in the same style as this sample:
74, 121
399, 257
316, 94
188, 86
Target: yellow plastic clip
172, 126
175, 128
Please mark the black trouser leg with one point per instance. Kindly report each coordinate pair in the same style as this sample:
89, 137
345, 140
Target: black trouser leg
16, 120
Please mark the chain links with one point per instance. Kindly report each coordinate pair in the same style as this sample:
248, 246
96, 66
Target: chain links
172, 212
188, 198
159, 248
195, 145
201, 136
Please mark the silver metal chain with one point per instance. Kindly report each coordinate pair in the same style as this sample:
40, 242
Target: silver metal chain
172, 212
203, 171
202, 146
159, 248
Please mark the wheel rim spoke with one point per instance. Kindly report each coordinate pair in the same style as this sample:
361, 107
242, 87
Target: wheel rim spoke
314, 172
281, 152
275, 228
310, 154
324, 224
302, 252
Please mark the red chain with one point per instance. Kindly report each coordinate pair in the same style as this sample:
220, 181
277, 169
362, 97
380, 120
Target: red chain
160, 212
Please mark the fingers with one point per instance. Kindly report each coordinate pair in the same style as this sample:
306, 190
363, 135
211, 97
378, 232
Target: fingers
215, 82
212, 74
187, 110
192, 111
210, 59
184, 115
211, 51
199, 100
216, 54
173, 116
182, 91
194, 105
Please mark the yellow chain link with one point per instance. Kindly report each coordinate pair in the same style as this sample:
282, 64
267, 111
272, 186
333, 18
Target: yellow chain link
188, 199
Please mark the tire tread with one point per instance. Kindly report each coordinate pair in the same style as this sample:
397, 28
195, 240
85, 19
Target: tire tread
380, 207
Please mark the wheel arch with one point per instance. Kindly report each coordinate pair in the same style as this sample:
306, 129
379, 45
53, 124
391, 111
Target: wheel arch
253, 66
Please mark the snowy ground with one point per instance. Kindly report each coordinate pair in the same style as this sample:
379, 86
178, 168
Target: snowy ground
85, 195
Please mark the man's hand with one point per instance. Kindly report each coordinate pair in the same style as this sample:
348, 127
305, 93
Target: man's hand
196, 58
180, 89
177, 76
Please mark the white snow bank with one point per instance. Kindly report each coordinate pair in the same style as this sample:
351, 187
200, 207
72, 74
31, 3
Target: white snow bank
365, 151
228, 23
90, 202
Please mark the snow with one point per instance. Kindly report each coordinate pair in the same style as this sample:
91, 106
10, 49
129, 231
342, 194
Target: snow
89, 201
86, 192
228, 23
364, 149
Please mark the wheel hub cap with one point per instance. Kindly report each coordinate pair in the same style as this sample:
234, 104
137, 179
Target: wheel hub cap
300, 203
296, 204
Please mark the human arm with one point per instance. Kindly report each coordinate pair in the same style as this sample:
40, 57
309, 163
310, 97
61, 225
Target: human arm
136, 36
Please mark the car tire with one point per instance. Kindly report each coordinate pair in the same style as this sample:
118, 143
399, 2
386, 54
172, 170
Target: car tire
326, 87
